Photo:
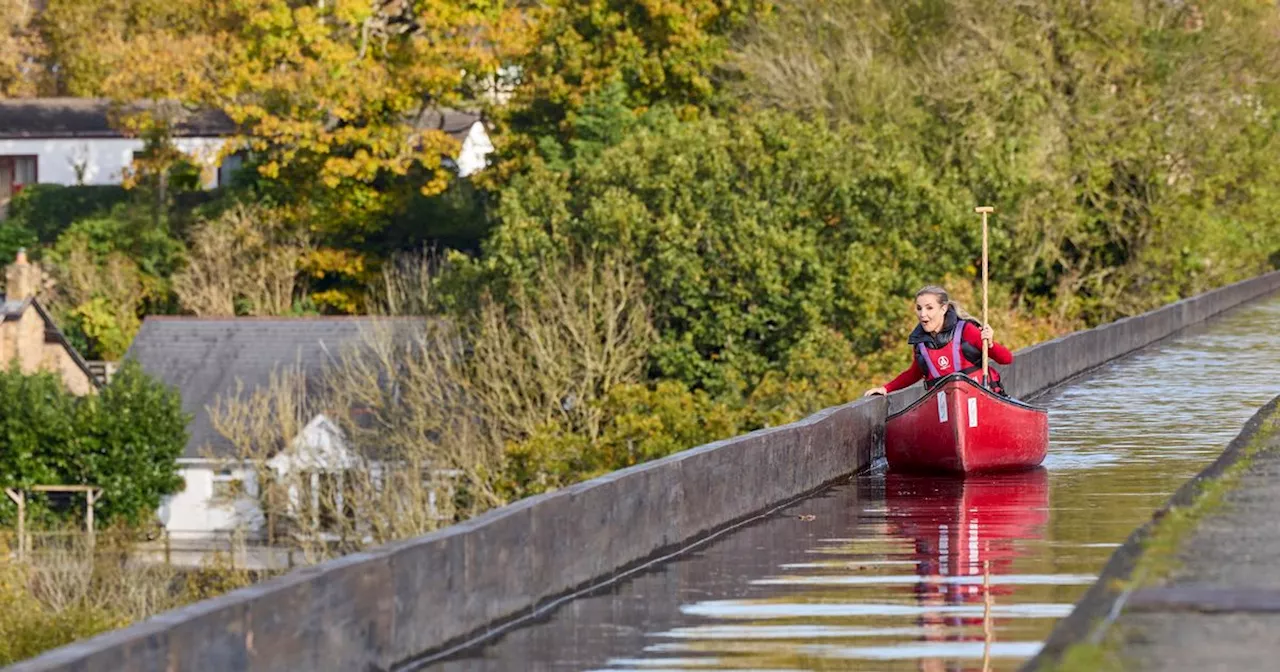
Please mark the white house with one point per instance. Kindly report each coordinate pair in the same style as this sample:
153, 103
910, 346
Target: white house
71, 141
210, 358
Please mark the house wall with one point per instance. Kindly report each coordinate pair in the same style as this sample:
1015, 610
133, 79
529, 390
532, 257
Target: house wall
54, 357
23, 339
192, 513
103, 159
475, 148
19, 337
195, 513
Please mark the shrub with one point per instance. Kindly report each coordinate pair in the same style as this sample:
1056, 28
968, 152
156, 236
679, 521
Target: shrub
125, 439
46, 210
243, 262
751, 234
110, 270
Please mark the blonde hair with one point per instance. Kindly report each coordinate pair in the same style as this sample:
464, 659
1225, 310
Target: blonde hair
945, 300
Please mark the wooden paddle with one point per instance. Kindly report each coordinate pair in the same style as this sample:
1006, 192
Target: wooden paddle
984, 209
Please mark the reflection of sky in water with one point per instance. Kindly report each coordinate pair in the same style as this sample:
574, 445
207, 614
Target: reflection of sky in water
1059, 460
889, 573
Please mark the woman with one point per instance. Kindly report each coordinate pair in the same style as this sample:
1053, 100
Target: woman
936, 350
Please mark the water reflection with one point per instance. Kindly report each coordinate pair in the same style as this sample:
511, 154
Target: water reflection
966, 532
925, 582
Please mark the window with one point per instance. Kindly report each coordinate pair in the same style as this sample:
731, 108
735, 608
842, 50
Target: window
227, 486
331, 500
16, 172
230, 166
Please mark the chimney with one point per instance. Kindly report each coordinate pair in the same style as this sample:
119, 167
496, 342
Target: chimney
21, 278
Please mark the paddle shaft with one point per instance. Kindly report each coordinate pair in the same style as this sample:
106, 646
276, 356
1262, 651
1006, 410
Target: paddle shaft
985, 362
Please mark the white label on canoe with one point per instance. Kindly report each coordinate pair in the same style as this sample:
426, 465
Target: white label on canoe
973, 412
942, 407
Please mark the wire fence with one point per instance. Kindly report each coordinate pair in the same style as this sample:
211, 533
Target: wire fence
173, 548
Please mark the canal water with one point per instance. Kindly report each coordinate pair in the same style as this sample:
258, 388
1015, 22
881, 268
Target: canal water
896, 572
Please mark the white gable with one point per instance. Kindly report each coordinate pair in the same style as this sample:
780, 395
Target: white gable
320, 446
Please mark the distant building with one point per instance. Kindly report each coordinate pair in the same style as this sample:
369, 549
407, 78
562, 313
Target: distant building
28, 336
208, 359
71, 141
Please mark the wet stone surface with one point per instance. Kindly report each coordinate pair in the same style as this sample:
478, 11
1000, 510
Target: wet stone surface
887, 572
1220, 609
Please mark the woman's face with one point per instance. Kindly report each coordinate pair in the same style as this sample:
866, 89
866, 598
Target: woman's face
931, 312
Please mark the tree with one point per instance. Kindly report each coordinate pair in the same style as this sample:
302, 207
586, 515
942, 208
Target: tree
110, 270
658, 51
334, 99
22, 51
1125, 145
125, 439
751, 234
132, 434
244, 262
328, 94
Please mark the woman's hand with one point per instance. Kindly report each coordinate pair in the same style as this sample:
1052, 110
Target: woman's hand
988, 334
874, 391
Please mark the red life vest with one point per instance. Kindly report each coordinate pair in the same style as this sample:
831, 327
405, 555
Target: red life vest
953, 357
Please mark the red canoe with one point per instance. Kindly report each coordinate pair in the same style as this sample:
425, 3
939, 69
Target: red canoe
961, 426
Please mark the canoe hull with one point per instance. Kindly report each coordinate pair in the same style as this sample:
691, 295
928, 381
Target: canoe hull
961, 427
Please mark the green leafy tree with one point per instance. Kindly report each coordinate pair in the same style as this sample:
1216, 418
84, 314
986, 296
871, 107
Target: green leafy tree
751, 234
111, 270
125, 439
132, 434
1127, 147
36, 414
660, 51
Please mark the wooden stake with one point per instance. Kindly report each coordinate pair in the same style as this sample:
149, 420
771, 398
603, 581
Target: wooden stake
90, 497
21, 500
985, 363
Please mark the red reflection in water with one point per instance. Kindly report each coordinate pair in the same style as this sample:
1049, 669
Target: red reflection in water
965, 526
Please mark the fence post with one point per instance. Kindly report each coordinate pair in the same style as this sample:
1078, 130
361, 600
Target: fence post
168, 549
90, 496
20, 499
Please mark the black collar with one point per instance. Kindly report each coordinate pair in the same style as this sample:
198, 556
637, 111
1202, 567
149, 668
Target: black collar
935, 341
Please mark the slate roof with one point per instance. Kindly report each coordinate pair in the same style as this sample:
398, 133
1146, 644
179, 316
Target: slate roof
11, 309
89, 118
453, 122
204, 357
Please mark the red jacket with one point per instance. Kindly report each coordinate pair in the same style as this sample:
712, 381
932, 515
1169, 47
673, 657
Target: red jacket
941, 354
